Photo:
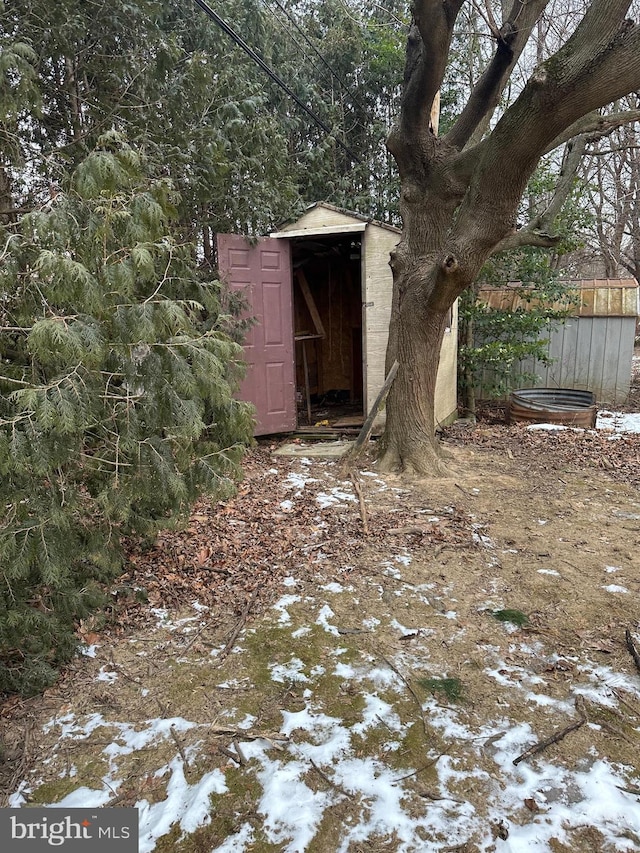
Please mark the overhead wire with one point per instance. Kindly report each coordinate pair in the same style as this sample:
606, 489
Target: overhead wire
251, 53
324, 76
277, 19
345, 86
354, 98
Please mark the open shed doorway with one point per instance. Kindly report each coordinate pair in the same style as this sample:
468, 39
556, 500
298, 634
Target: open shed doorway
327, 304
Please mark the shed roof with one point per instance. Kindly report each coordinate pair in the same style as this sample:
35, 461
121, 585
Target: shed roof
324, 218
593, 298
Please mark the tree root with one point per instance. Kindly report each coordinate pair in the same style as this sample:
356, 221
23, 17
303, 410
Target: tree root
427, 463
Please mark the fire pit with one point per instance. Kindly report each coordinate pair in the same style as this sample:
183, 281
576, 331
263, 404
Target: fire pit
566, 406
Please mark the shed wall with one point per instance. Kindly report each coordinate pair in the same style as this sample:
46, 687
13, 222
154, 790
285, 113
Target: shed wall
377, 291
320, 217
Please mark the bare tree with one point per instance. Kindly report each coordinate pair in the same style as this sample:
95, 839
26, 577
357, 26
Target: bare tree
460, 192
612, 175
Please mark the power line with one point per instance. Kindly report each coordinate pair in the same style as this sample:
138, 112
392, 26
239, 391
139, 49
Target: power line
354, 98
272, 74
277, 19
324, 76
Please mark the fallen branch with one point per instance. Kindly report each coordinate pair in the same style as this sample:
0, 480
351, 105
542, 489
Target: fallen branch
234, 756
363, 508
248, 734
367, 427
632, 649
241, 755
241, 622
555, 738
177, 742
410, 689
329, 782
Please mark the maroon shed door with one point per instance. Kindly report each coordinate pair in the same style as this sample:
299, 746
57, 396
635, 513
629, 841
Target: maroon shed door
262, 272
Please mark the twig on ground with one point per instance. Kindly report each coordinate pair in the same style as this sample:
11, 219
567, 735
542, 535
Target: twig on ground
196, 636
315, 545
363, 508
464, 491
163, 708
241, 755
407, 684
241, 622
329, 782
125, 794
554, 738
176, 740
248, 734
424, 767
617, 692
632, 649
234, 756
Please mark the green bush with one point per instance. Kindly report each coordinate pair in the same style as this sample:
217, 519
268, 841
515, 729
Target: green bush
494, 342
116, 398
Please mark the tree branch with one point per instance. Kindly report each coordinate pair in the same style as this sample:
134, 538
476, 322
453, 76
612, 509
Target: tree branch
526, 237
511, 39
595, 125
427, 54
574, 152
598, 64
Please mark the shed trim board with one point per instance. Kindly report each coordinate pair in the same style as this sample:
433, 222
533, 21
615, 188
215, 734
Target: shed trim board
358, 228
324, 206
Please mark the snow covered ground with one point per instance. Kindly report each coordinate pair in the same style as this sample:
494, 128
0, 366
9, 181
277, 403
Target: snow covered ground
614, 422
397, 766
618, 421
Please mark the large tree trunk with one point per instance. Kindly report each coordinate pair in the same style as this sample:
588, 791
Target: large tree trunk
409, 442
460, 193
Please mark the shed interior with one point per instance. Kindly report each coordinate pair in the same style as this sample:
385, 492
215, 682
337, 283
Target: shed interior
327, 304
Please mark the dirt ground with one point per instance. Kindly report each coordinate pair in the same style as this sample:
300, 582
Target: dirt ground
495, 600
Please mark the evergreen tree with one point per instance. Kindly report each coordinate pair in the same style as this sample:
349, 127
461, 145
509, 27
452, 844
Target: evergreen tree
116, 397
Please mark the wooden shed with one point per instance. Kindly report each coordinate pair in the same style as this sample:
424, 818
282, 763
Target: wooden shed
592, 349
320, 288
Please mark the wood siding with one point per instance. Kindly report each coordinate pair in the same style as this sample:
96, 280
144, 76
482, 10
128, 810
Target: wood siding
377, 290
378, 240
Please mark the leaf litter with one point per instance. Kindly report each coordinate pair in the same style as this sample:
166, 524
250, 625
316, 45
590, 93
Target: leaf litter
331, 722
